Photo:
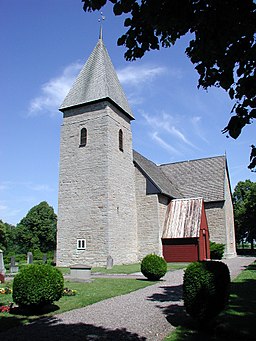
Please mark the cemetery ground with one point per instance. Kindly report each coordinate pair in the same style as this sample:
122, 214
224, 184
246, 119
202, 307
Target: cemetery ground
87, 293
236, 323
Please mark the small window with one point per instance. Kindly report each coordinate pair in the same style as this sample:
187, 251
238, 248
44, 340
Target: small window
81, 244
121, 146
83, 137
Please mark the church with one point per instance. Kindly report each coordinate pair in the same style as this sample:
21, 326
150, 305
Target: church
113, 202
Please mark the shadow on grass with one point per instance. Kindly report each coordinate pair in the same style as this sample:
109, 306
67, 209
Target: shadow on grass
36, 311
237, 322
54, 330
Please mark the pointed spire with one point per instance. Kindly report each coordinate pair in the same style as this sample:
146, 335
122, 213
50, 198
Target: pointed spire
101, 21
97, 81
100, 35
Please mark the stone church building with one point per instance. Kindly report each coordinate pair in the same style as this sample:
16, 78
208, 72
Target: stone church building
115, 202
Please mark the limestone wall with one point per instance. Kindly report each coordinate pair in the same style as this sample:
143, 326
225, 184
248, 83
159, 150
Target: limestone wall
122, 214
147, 219
94, 195
220, 220
230, 250
216, 221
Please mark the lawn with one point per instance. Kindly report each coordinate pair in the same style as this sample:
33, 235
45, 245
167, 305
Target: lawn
133, 268
87, 293
236, 323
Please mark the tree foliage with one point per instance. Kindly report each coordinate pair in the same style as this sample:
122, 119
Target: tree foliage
222, 45
37, 230
7, 232
244, 199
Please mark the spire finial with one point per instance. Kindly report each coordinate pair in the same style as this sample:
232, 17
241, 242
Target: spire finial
100, 20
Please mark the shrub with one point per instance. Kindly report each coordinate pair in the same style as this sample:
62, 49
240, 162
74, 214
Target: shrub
216, 250
153, 267
37, 285
206, 289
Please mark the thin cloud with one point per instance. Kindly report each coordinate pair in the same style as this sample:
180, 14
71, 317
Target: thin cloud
196, 122
54, 91
3, 207
165, 122
137, 74
40, 188
25, 185
164, 144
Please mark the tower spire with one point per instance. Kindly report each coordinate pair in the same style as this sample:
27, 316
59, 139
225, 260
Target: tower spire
97, 81
100, 20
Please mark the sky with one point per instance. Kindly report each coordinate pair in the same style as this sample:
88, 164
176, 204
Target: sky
44, 44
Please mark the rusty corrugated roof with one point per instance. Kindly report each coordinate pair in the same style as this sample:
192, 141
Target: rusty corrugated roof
183, 218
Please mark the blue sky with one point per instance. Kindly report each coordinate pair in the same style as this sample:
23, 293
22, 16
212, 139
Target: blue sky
43, 46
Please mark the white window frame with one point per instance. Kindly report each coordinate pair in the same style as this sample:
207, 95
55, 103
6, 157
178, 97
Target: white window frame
81, 244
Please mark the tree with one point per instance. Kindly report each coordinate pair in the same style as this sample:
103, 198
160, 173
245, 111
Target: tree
7, 235
2, 235
244, 199
222, 45
37, 230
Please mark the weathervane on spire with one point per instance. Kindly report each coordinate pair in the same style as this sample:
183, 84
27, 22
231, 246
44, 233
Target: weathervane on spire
100, 20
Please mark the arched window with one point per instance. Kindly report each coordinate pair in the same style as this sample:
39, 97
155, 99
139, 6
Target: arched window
121, 142
83, 137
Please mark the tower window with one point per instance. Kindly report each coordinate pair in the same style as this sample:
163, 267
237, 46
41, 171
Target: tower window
83, 137
121, 142
81, 244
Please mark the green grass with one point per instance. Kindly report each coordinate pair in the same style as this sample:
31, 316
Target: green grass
87, 293
133, 268
236, 323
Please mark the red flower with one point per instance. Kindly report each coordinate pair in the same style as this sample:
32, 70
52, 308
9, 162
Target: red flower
5, 309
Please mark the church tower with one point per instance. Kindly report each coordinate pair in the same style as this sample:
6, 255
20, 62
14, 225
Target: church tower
97, 206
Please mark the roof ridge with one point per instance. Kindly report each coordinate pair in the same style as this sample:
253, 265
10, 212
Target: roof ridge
185, 161
159, 170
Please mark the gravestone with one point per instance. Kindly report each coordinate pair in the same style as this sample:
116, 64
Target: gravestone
45, 258
2, 267
110, 262
80, 273
29, 258
13, 266
54, 257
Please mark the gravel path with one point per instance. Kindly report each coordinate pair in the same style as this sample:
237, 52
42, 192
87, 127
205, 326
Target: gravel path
146, 314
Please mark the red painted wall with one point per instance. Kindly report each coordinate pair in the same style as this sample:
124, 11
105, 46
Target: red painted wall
180, 250
189, 249
204, 243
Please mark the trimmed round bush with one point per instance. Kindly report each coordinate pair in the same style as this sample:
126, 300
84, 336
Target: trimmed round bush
216, 250
153, 267
37, 285
206, 288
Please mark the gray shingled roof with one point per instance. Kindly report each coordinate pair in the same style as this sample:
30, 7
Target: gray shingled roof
97, 81
156, 176
199, 178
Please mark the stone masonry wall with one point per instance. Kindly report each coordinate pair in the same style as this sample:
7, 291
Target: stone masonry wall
122, 214
230, 250
163, 202
147, 219
216, 221
88, 188
82, 206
